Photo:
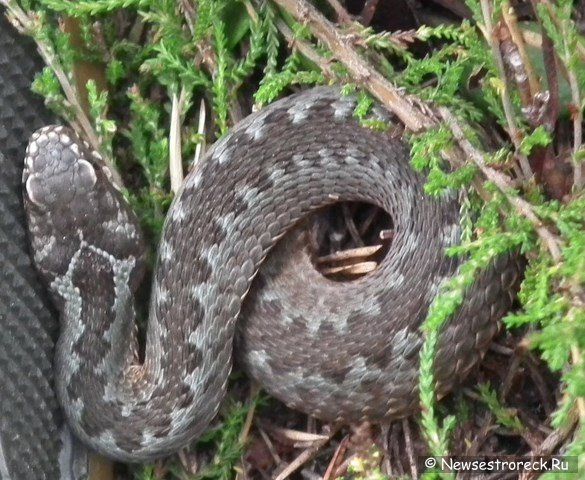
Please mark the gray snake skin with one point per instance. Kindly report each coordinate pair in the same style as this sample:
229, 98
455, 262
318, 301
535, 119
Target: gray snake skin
339, 351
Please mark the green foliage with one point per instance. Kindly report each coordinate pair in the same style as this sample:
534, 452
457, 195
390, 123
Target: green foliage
204, 57
227, 445
220, 81
98, 106
272, 38
78, 8
147, 472
447, 70
273, 84
148, 136
427, 150
505, 416
561, 28
385, 41
436, 432
539, 137
47, 85
366, 467
551, 287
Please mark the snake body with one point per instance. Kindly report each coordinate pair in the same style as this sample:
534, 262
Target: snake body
340, 351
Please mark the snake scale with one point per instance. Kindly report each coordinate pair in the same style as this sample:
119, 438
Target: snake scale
339, 351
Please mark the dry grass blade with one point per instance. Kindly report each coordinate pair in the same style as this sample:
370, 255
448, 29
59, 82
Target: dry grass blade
305, 457
175, 158
355, 269
331, 471
295, 436
350, 254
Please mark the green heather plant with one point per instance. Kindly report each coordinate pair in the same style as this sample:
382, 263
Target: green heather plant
229, 51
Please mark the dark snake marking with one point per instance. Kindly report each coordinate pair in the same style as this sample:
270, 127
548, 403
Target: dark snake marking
34, 445
340, 351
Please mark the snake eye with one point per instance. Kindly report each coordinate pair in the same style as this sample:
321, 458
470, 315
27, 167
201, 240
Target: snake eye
86, 176
50, 187
33, 187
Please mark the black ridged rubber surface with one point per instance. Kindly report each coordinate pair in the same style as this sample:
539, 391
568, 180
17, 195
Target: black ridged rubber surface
30, 421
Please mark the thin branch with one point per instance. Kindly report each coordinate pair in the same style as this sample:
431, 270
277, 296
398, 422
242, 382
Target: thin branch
577, 116
306, 456
503, 183
557, 437
577, 107
305, 48
515, 133
511, 20
552, 80
413, 118
361, 71
342, 15
368, 11
26, 24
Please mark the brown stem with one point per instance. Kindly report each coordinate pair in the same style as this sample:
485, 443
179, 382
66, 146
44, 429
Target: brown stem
515, 133
503, 183
340, 11
369, 11
511, 21
26, 24
361, 71
305, 48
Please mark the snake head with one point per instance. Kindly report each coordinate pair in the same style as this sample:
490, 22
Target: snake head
71, 203
56, 173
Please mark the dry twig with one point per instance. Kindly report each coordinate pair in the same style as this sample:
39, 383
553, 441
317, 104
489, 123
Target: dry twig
26, 24
305, 48
504, 184
361, 71
305, 456
515, 135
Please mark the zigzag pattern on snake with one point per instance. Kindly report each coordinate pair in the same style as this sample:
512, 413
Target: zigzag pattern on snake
339, 351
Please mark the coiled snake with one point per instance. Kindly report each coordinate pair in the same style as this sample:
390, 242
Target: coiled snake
340, 351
